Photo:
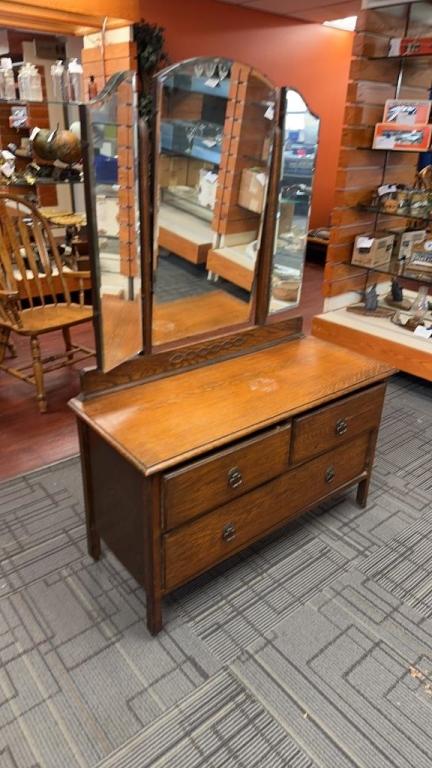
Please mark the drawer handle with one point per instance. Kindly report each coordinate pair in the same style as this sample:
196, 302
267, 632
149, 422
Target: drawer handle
234, 477
229, 532
330, 474
341, 427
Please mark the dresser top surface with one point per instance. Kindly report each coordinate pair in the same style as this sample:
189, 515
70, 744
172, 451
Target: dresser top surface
161, 423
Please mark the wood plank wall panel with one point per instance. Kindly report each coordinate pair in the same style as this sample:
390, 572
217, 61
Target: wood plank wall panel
361, 171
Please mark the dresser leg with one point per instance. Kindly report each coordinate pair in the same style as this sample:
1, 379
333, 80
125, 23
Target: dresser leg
154, 614
93, 538
362, 492
93, 543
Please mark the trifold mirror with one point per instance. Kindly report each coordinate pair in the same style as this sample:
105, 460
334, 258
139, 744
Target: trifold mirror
232, 164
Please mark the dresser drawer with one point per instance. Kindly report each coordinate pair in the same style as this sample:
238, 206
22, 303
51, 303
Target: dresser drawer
197, 546
334, 424
207, 484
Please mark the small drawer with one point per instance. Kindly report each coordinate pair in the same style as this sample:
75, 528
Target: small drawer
333, 424
211, 482
199, 545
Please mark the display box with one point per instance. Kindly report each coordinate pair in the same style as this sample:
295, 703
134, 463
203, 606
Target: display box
405, 242
172, 171
410, 46
207, 188
405, 138
407, 111
252, 189
373, 250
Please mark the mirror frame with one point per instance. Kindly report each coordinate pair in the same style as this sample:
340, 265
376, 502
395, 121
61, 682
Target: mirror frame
263, 330
276, 176
262, 255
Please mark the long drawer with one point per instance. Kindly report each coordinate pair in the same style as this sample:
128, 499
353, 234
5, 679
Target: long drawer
207, 484
198, 545
334, 424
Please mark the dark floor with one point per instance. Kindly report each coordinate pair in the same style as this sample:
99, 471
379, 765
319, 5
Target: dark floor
312, 649
30, 440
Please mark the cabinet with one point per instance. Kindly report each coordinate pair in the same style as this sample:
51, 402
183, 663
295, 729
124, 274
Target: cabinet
203, 464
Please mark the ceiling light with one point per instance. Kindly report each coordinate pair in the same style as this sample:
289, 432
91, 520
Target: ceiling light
348, 23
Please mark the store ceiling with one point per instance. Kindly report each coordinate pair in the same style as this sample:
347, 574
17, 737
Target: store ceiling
308, 10
27, 15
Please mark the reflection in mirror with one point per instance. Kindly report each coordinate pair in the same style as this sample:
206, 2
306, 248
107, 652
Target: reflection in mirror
112, 127
215, 128
299, 149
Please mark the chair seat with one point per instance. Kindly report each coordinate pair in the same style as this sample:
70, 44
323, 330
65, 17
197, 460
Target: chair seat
51, 317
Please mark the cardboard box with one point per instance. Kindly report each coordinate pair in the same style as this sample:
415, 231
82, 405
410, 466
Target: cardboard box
373, 250
173, 171
252, 192
407, 111
406, 241
406, 138
410, 46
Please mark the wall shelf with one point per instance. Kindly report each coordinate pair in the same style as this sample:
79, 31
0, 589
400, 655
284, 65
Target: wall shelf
382, 212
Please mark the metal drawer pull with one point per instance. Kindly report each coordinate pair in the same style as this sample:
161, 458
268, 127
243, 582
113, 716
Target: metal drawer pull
341, 427
234, 477
330, 474
229, 532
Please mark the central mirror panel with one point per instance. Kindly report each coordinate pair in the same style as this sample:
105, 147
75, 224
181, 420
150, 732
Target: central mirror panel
213, 143
299, 149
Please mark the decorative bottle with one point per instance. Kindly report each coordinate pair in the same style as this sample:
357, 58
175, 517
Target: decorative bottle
58, 81
75, 71
92, 88
35, 84
9, 80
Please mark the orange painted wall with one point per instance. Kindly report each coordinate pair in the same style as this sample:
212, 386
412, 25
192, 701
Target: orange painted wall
312, 58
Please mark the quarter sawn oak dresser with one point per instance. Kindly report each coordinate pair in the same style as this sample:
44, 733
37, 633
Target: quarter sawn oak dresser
184, 471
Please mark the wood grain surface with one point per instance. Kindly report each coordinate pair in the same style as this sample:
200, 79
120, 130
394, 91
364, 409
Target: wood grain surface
199, 545
206, 484
162, 423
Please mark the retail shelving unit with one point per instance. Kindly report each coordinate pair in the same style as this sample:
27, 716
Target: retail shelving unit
375, 77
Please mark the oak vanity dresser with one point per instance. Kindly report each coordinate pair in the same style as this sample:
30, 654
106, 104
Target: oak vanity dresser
198, 447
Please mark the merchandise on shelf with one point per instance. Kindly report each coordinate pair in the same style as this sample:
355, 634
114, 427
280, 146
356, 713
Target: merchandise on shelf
402, 200
207, 188
406, 241
406, 138
75, 72
407, 111
373, 250
59, 81
410, 46
7, 80
252, 189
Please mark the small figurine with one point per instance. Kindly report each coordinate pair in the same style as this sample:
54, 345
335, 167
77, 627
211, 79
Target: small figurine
396, 290
395, 297
371, 299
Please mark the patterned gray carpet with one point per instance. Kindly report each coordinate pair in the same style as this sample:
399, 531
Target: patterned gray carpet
312, 649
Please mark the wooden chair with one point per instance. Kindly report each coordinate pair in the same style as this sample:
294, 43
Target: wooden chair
31, 268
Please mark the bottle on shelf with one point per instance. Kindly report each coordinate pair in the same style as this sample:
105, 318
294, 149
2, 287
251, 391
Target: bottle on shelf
35, 84
92, 88
58, 79
23, 82
8, 79
75, 71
